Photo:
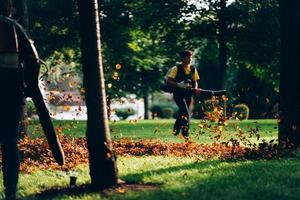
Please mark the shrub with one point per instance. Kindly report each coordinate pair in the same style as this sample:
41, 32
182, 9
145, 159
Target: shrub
31, 110
241, 111
165, 110
167, 113
123, 113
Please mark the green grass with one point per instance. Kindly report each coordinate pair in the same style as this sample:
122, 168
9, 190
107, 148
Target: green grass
178, 178
182, 178
159, 129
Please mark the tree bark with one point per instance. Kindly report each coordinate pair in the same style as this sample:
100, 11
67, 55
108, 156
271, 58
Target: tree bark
289, 107
146, 106
22, 17
102, 163
222, 45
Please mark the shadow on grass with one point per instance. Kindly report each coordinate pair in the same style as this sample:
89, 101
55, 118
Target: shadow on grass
60, 191
86, 189
272, 179
138, 177
275, 179
134, 182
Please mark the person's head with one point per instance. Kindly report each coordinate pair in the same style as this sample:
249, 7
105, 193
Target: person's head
6, 8
186, 57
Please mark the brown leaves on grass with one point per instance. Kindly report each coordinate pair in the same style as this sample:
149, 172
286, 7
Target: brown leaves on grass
35, 153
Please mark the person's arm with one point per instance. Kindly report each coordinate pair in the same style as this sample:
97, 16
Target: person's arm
171, 79
196, 78
172, 82
196, 84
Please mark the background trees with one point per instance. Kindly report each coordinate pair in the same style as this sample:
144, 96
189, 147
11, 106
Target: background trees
230, 38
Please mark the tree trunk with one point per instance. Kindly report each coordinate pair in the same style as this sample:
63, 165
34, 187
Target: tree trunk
289, 107
102, 163
146, 106
108, 102
22, 17
222, 45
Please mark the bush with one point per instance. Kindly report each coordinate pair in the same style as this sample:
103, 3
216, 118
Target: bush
123, 113
241, 111
167, 113
31, 110
165, 110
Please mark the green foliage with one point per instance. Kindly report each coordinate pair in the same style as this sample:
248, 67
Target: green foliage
256, 43
145, 36
124, 113
31, 110
53, 28
167, 113
257, 93
241, 111
163, 110
63, 63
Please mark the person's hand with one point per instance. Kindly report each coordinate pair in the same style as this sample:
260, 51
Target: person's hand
197, 91
182, 85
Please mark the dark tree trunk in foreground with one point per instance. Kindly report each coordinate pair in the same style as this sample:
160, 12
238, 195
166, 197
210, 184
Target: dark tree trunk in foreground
103, 170
289, 104
22, 17
146, 106
222, 45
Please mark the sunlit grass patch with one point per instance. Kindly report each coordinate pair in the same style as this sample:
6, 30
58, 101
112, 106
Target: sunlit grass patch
182, 178
159, 129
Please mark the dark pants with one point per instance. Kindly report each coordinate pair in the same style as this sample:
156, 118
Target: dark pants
11, 101
182, 122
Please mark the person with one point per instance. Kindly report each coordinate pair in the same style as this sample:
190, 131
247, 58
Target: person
184, 77
19, 70
11, 84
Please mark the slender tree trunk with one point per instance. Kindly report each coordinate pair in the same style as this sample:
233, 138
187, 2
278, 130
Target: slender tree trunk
24, 19
146, 106
222, 45
103, 170
289, 107
108, 102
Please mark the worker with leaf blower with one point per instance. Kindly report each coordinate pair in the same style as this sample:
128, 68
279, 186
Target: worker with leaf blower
182, 81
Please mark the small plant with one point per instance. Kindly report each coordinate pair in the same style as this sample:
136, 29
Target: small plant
241, 111
124, 113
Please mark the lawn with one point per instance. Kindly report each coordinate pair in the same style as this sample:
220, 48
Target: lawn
174, 177
159, 129
180, 178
